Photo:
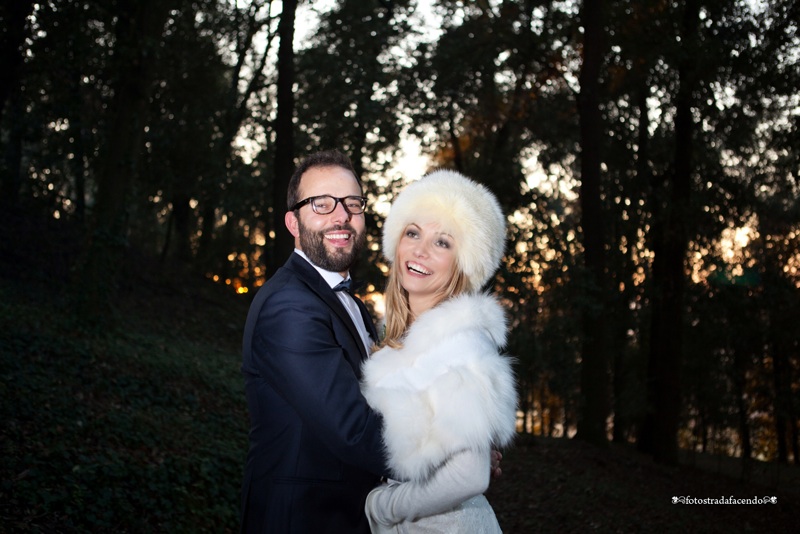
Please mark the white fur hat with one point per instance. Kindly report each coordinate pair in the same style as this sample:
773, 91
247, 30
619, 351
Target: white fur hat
465, 209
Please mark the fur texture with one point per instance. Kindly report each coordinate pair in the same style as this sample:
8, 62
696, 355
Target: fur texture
465, 209
448, 388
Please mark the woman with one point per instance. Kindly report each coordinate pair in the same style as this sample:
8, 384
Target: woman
446, 394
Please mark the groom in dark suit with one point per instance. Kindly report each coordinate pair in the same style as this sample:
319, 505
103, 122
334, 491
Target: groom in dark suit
315, 445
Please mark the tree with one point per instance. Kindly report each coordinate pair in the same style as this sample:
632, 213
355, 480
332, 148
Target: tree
660, 429
138, 33
213, 87
14, 18
183, 163
284, 136
595, 350
246, 36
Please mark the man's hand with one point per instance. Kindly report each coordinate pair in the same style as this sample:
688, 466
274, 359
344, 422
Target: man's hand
496, 457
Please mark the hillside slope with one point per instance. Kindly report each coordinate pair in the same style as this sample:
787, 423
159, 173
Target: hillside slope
558, 485
142, 428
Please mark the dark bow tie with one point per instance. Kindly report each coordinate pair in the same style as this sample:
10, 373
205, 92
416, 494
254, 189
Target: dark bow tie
345, 285
349, 285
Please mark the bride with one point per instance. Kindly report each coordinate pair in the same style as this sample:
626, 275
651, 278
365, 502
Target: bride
445, 392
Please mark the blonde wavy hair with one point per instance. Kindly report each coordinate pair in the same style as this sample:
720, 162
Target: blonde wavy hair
398, 312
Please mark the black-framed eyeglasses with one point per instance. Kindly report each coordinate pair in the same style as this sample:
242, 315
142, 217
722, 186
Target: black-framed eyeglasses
325, 204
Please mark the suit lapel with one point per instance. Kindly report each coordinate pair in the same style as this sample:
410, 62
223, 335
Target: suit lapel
318, 285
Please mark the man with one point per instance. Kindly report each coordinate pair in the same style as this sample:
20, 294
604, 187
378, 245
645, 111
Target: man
315, 445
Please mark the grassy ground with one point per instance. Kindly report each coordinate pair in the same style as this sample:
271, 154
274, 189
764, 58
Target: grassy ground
557, 485
142, 428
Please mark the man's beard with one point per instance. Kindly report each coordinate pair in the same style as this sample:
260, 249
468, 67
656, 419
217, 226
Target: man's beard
338, 261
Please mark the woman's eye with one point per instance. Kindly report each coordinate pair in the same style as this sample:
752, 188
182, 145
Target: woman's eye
443, 244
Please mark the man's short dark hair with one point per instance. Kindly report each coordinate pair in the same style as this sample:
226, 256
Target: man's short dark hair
325, 158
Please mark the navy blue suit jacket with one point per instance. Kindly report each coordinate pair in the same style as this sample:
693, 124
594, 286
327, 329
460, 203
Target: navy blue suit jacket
315, 445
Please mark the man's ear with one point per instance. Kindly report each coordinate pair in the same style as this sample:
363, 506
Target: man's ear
292, 223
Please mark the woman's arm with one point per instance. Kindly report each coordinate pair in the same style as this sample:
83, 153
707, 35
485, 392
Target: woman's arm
462, 476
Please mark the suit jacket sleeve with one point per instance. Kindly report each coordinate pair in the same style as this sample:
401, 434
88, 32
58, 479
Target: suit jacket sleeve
298, 349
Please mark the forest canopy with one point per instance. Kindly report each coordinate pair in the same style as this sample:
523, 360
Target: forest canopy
646, 154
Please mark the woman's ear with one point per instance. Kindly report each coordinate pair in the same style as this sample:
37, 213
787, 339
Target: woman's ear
292, 223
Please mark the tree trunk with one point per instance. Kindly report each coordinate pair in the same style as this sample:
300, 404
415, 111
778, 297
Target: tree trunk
782, 397
624, 368
14, 16
79, 144
659, 434
205, 260
138, 35
284, 138
81, 141
181, 219
740, 383
458, 156
781, 313
594, 380
12, 158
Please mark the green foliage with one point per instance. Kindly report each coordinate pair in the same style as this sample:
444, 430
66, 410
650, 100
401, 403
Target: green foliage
137, 429
347, 96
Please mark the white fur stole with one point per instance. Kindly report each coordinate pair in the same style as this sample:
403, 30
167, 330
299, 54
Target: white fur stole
448, 389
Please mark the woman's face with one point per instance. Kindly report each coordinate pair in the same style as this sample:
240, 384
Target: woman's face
426, 257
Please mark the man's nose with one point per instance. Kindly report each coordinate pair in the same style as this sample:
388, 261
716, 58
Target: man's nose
340, 213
